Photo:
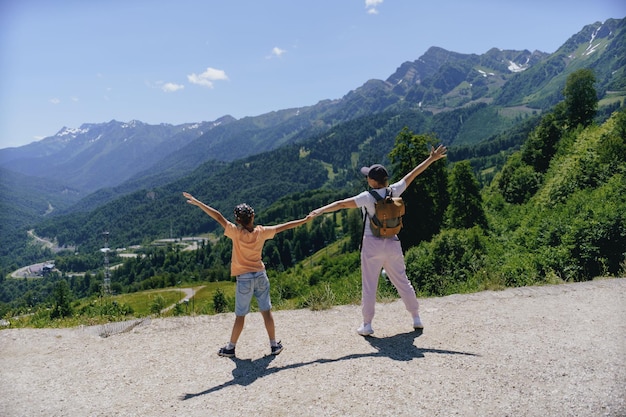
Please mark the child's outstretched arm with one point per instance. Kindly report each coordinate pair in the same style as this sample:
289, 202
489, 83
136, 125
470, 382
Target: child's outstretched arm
207, 209
292, 224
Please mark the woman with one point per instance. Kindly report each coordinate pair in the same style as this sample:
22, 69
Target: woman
377, 252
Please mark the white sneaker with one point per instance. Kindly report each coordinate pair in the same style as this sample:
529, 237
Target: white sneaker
417, 323
365, 329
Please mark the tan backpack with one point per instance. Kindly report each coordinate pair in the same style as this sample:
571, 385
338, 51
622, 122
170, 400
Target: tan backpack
387, 219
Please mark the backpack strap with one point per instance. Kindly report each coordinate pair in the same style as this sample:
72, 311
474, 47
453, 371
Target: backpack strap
372, 218
363, 231
378, 197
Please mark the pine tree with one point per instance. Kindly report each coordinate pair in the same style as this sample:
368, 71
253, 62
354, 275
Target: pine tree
62, 297
542, 142
426, 198
581, 99
466, 206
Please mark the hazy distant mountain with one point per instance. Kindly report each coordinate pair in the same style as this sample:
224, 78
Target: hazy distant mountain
101, 154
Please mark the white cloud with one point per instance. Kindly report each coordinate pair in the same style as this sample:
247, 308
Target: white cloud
55, 100
276, 52
74, 99
171, 87
207, 77
371, 6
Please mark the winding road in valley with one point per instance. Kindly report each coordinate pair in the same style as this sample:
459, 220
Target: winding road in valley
189, 293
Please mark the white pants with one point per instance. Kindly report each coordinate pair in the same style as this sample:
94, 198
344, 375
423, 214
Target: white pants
378, 253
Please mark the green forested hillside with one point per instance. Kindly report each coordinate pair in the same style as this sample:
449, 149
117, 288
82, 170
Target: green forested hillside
331, 158
556, 211
155, 212
570, 226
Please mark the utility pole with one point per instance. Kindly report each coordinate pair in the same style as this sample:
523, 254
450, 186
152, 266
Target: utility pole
106, 285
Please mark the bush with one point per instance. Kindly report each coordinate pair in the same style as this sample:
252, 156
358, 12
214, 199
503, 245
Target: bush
220, 305
178, 309
517, 181
158, 304
111, 310
40, 319
598, 245
518, 270
448, 262
321, 298
288, 286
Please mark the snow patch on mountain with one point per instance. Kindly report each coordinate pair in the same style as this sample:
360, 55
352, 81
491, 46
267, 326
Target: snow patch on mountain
515, 67
71, 131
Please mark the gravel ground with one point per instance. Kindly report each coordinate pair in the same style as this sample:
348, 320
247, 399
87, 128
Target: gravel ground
535, 351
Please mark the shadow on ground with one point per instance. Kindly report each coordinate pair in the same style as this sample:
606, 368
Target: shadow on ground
399, 347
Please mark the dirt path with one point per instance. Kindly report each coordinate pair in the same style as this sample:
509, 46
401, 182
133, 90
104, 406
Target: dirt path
536, 351
44, 242
189, 293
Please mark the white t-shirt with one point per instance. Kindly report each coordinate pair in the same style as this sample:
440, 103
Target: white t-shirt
366, 201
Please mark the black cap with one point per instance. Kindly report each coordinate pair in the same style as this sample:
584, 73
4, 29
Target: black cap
376, 172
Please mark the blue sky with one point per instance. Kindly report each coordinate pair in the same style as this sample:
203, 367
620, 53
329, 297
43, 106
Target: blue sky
65, 63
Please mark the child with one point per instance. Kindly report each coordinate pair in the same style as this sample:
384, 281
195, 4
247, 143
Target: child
248, 267
378, 253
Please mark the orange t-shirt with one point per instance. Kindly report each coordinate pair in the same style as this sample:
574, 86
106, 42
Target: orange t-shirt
247, 247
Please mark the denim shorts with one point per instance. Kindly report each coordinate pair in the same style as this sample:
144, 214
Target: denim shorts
249, 284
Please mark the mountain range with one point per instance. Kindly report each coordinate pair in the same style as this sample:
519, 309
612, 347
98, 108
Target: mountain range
463, 99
